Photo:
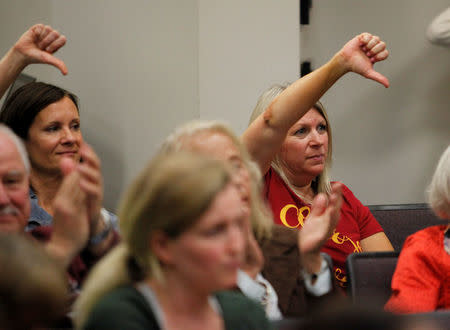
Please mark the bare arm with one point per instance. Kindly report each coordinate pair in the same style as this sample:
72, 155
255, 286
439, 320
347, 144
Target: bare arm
265, 135
36, 45
376, 242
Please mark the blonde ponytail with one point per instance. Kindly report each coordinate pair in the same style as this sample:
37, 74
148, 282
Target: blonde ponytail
109, 273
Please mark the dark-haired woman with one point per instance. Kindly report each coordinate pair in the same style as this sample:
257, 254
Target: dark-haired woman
46, 117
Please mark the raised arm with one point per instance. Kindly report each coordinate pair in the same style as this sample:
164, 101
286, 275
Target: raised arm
36, 45
266, 133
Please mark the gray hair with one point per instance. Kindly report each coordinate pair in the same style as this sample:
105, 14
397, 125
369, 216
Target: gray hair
260, 217
19, 145
438, 191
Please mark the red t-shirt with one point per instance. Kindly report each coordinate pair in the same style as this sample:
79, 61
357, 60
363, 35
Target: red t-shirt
356, 221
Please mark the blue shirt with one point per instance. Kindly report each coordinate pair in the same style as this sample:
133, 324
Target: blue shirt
40, 217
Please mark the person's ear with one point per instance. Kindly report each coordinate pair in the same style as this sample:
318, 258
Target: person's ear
160, 245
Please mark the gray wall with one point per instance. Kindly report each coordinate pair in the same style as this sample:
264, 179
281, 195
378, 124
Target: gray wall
386, 141
245, 46
141, 67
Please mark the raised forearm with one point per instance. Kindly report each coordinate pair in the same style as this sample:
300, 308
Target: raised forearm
301, 95
265, 135
11, 65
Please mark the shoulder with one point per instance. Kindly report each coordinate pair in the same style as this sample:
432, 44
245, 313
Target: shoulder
351, 202
124, 297
239, 312
421, 256
122, 308
284, 235
426, 237
234, 301
281, 247
424, 247
38, 216
346, 191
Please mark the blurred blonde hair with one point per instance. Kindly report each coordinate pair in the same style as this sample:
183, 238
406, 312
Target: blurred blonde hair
33, 287
261, 217
438, 191
161, 198
322, 182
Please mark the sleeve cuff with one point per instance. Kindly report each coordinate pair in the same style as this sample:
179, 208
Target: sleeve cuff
322, 280
97, 239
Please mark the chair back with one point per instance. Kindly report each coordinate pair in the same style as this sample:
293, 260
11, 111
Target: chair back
370, 275
401, 220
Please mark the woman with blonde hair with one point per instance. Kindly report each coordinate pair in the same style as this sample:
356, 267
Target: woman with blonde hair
183, 226
421, 282
289, 136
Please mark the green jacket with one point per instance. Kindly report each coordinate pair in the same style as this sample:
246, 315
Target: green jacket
126, 308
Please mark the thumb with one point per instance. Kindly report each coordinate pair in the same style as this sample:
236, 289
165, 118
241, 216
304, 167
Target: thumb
378, 77
67, 165
52, 60
319, 205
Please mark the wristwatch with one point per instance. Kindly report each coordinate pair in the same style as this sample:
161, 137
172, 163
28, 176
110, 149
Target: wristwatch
313, 277
97, 239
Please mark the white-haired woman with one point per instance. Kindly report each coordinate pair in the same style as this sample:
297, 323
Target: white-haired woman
183, 227
421, 282
289, 136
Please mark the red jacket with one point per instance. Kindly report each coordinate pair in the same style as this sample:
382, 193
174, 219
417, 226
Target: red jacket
421, 282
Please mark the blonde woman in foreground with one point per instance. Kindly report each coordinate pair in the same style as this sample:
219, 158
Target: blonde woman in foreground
183, 225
